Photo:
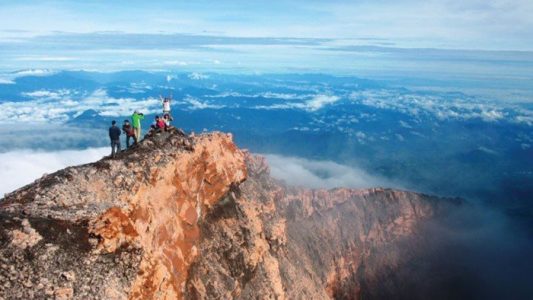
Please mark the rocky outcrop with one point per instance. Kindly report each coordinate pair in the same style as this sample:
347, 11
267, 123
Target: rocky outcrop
147, 203
195, 217
284, 242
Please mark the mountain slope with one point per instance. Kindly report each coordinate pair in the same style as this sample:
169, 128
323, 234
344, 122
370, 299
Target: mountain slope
195, 217
294, 243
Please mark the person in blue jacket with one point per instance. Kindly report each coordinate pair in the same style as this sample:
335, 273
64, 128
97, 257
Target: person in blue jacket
114, 136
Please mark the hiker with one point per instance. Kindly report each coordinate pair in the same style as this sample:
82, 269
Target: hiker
158, 124
161, 125
167, 118
136, 123
166, 105
154, 123
129, 132
114, 136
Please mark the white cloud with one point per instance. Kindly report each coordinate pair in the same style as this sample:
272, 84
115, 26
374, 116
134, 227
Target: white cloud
175, 63
487, 150
430, 23
108, 106
34, 72
320, 101
197, 76
48, 94
321, 174
491, 115
282, 106
47, 58
198, 104
6, 81
271, 95
405, 124
315, 103
441, 107
23, 167
58, 106
267, 95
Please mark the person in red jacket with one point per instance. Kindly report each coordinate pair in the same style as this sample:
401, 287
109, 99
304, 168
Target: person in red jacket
159, 124
129, 132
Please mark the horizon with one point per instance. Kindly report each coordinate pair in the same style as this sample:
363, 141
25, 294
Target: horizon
365, 38
466, 25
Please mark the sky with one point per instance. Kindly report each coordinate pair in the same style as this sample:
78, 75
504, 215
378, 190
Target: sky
470, 24
257, 35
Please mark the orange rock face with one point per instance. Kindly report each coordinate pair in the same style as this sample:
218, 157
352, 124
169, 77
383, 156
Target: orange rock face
293, 243
153, 199
195, 217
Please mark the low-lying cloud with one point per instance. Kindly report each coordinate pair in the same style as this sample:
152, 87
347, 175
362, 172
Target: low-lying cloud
19, 168
6, 81
322, 174
320, 101
441, 107
195, 103
472, 252
33, 72
50, 137
317, 102
59, 106
22, 167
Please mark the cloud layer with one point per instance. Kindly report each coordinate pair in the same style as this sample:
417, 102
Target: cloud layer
23, 167
59, 106
322, 174
430, 23
460, 107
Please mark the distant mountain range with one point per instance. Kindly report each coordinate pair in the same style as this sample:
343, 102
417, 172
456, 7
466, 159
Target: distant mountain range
448, 143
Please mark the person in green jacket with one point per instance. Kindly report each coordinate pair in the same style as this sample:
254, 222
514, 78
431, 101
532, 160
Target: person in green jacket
136, 123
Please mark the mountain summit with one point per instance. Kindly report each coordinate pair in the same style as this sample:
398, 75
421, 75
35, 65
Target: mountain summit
195, 217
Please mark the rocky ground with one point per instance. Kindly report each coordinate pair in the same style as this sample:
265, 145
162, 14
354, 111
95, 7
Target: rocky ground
282, 242
195, 217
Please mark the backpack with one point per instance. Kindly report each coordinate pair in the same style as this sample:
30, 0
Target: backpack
129, 130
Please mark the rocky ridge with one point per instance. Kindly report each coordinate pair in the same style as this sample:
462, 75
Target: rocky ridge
195, 217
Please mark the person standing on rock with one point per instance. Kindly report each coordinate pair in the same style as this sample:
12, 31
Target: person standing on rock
166, 104
129, 132
114, 136
136, 119
166, 110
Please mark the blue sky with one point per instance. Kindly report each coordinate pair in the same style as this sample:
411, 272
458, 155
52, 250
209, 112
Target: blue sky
485, 24
253, 35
